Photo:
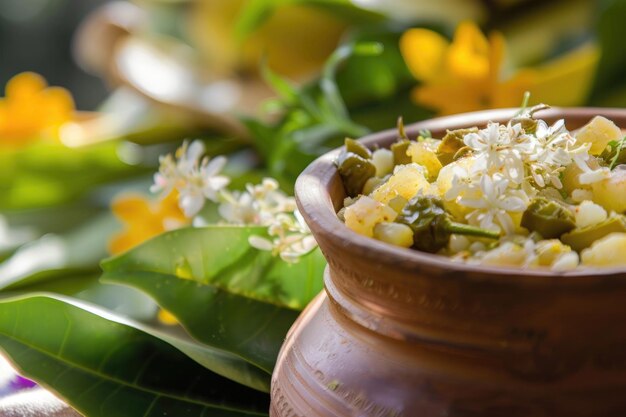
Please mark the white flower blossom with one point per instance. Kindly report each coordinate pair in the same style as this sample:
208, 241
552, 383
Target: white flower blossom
195, 178
494, 204
258, 204
266, 205
290, 238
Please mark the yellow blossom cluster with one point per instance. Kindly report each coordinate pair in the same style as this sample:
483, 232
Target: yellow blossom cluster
469, 73
31, 110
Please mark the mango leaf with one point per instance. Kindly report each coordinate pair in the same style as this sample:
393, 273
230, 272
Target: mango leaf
129, 302
49, 174
103, 367
68, 264
225, 293
222, 257
250, 329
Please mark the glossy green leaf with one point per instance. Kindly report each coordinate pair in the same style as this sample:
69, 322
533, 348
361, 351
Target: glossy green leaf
129, 302
251, 329
103, 367
225, 293
222, 257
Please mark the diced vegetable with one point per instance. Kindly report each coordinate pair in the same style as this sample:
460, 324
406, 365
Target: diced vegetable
406, 181
366, 213
394, 233
423, 153
598, 132
589, 214
608, 251
610, 193
548, 218
580, 239
383, 161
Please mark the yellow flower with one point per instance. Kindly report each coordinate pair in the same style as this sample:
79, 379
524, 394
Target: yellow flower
144, 219
31, 110
467, 74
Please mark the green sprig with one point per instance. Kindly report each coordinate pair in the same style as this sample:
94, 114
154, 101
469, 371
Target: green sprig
617, 147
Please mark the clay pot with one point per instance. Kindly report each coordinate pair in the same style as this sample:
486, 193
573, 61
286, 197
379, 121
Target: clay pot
403, 333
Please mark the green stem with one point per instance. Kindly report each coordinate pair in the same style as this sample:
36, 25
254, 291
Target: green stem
464, 229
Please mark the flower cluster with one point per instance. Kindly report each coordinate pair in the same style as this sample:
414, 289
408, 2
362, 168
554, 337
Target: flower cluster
471, 73
194, 177
197, 179
31, 110
508, 166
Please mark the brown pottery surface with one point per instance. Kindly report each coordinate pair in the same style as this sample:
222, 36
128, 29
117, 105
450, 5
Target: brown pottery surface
403, 333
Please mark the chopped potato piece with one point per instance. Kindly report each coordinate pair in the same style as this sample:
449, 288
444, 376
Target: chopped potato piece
507, 254
599, 132
407, 181
366, 213
610, 192
371, 184
549, 251
608, 251
394, 233
383, 161
588, 214
423, 154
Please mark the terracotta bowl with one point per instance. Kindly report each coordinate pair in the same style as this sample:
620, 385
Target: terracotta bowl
403, 333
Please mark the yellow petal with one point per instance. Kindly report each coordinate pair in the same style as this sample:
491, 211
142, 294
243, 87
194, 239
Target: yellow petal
121, 243
567, 80
58, 104
131, 207
424, 51
24, 86
468, 56
168, 208
496, 56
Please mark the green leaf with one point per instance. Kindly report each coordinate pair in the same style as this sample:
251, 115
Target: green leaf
225, 293
221, 256
250, 329
103, 367
328, 82
81, 248
285, 90
129, 302
50, 174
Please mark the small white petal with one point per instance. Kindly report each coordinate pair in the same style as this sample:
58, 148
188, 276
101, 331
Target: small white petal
195, 150
214, 166
190, 204
260, 243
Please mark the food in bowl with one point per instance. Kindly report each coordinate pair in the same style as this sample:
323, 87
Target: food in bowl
522, 193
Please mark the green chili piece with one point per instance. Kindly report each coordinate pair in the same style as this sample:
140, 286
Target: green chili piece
579, 239
355, 171
357, 148
451, 144
432, 226
548, 218
400, 156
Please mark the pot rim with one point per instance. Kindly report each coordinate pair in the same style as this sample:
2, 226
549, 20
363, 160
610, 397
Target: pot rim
313, 196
